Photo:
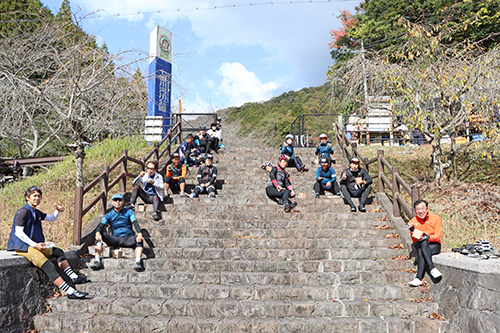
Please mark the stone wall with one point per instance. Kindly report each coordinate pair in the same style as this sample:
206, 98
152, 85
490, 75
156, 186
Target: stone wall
23, 290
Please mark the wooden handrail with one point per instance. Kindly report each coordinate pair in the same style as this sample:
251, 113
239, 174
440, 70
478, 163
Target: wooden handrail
121, 179
393, 183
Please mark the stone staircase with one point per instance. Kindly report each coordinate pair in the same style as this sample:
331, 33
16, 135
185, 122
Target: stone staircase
238, 263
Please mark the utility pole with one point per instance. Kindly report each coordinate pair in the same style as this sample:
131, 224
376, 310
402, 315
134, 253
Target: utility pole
365, 88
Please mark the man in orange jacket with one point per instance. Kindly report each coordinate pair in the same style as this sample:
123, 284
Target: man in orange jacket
425, 230
175, 176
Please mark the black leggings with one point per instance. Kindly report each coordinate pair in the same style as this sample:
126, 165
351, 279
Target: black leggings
425, 251
125, 241
361, 193
147, 198
273, 194
297, 161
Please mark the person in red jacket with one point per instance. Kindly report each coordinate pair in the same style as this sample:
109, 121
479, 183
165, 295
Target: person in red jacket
425, 231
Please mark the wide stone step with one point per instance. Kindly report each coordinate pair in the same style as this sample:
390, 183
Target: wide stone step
285, 221
103, 323
331, 283
222, 308
293, 234
251, 266
276, 254
264, 243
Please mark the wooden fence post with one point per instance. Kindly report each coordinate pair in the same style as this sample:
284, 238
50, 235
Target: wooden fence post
157, 151
380, 167
415, 195
396, 211
104, 188
77, 220
344, 145
336, 128
123, 181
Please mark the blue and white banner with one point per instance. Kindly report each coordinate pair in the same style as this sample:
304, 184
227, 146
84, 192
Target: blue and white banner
160, 82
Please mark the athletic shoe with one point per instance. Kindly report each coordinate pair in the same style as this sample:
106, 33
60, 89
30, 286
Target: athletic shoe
415, 283
97, 265
211, 195
81, 279
293, 204
336, 196
138, 266
362, 208
78, 295
156, 217
353, 209
435, 273
317, 196
183, 195
287, 208
192, 196
130, 206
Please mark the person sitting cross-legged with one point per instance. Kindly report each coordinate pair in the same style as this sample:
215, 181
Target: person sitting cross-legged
287, 149
425, 231
207, 175
27, 239
150, 188
355, 182
326, 179
121, 220
175, 176
279, 186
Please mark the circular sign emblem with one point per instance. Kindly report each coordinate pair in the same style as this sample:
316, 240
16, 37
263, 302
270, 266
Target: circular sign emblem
165, 44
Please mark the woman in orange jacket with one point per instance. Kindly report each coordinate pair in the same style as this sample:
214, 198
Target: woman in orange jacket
425, 230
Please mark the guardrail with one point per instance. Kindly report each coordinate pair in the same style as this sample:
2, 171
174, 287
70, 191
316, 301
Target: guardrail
394, 184
121, 180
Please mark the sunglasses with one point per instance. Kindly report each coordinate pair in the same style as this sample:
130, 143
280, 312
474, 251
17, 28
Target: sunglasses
150, 168
34, 188
355, 162
117, 199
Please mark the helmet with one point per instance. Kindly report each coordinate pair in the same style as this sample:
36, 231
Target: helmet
265, 165
323, 136
209, 157
219, 119
289, 136
203, 128
284, 157
213, 124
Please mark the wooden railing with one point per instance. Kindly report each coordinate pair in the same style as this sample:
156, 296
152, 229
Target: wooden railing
394, 183
106, 184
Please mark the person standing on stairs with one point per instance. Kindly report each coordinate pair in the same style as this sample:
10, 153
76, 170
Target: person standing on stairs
425, 230
355, 182
121, 221
150, 188
175, 176
326, 179
207, 175
27, 239
279, 186
287, 149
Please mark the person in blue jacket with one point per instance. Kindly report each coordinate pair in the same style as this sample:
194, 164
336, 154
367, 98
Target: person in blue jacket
27, 239
324, 148
326, 179
189, 151
287, 149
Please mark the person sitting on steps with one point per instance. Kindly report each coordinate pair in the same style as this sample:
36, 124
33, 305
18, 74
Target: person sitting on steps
150, 188
189, 152
324, 148
425, 230
207, 175
278, 186
206, 142
27, 239
175, 176
326, 179
216, 136
355, 182
121, 221
287, 149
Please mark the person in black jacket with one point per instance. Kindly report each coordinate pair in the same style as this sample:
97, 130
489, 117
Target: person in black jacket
206, 142
279, 186
355, 182
207, 175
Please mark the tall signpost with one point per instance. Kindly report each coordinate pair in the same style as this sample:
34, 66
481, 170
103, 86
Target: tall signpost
160, 84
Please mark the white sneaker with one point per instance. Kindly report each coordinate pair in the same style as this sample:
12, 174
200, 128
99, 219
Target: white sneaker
211, 195
435, 273
192, 196
415, 283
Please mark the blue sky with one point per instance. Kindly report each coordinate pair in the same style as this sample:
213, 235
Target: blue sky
226, 56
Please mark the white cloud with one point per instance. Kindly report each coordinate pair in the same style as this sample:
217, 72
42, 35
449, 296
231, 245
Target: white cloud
208, 83
241, 85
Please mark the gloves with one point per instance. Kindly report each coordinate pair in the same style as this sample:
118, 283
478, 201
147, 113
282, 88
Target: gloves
412, 228
424, 237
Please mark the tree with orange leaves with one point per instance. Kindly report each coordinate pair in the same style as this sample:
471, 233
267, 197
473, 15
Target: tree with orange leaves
342, 43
